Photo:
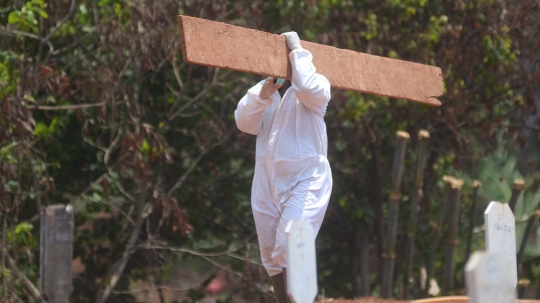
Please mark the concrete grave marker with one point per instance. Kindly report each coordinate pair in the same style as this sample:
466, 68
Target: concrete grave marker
501, 235
301, 263
490, 278
56, 252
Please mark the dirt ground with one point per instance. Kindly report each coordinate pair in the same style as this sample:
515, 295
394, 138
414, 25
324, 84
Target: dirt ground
432, 300
378, 300
362, 300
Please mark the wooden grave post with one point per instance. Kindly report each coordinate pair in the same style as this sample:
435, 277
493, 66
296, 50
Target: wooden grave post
301, 263
222, 45
501, 235
489, 278
56, 251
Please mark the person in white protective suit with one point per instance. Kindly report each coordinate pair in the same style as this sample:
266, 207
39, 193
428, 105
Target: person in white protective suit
292, 178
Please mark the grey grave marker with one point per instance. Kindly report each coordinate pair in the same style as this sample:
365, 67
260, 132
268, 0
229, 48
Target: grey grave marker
56, 251
301, 263
489, 279
501, 235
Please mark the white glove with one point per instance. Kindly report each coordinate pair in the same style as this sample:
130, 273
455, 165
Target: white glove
293, 41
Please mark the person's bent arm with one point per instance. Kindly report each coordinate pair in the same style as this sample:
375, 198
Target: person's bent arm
250, 110
312, 89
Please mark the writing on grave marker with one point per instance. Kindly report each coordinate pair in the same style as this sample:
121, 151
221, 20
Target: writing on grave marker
501, 235
301, 262
488, 278
56, 252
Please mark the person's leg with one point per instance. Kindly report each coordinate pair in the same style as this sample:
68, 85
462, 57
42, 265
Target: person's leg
307, 201
280, 290
303, 203
285, 283
267, 216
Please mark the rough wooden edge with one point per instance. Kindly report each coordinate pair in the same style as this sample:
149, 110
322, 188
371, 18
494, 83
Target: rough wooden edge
183, 37
403, 134
424, 134
519, 184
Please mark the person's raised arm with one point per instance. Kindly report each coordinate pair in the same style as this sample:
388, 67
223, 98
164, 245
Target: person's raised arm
250, 110
312, 89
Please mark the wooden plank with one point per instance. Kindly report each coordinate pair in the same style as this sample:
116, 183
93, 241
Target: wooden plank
227, 46
56, 252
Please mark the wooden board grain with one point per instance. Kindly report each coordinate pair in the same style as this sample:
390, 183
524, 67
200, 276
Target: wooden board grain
232, 47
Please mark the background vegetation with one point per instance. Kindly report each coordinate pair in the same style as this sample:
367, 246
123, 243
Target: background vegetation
99, 110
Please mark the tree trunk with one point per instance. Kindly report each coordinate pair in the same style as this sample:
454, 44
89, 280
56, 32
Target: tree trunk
118, 268
430, 266
415, 202
393, 210
353, 265
453, 220
364, 264
476, 186
516, 191
526, 235
377, 203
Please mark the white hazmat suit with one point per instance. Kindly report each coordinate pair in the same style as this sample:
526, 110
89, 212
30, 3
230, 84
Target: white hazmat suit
292, 178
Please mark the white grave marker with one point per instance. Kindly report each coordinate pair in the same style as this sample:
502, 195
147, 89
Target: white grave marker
501, 235
301, 263
489, 278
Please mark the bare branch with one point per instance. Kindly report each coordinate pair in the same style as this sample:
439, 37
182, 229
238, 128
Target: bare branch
65, 107
244, 259
66, 18
4, 252
101, 178
118, 268
10, 32
129, 292
177, 73
234, 273
194, 164
189, 251
112, 146
198, 96
34, 179
30, 287
184, 176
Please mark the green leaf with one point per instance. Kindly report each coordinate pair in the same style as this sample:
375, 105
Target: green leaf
14, 17
41, 12
145, 147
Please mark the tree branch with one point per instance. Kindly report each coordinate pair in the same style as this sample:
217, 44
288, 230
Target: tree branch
33, 291
65, 107
10, 32
184, 176
189, 251
118, 268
